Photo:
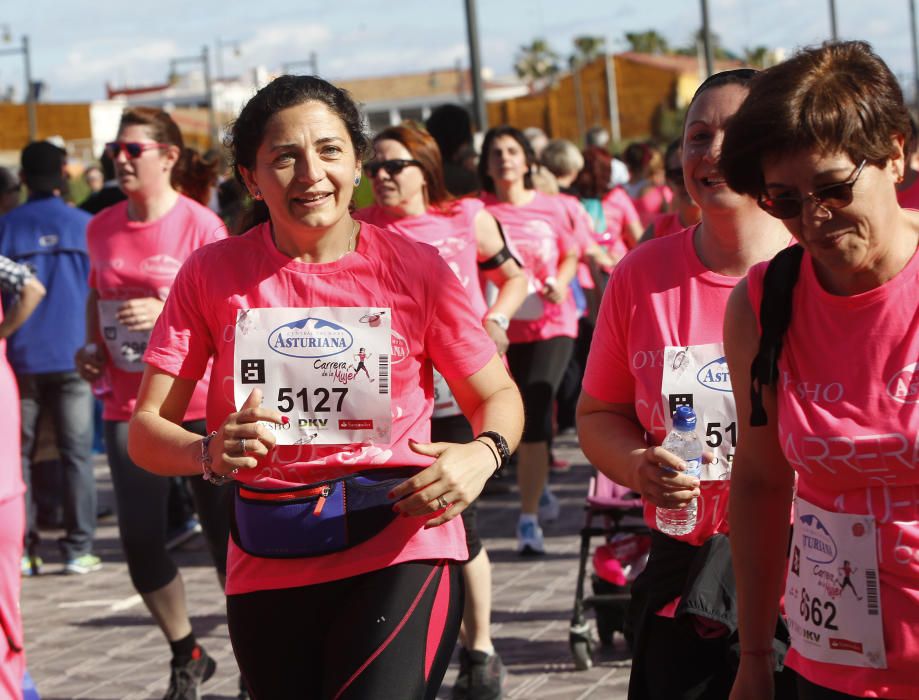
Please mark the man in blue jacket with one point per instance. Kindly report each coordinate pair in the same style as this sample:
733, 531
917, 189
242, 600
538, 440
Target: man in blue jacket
50, 237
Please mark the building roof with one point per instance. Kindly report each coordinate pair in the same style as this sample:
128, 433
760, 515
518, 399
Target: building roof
676, 63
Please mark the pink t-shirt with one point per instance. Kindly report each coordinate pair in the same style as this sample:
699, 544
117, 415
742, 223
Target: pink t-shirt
432, 322
11, 484
648, 306
452, 233
848, 422
542, 234
130, 260
667, 225
582, 228
652, 201
620, 213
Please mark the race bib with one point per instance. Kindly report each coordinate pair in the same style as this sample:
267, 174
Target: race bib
445, 404
697, 376
326, 369
832, 600
125, 347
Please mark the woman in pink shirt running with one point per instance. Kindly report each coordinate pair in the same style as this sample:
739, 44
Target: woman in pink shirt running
543, 330
412, 200
343, 571
657, 346
834, 425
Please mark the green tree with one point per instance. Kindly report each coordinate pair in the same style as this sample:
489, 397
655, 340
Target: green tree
587, 48
694, 48
758, 57
536, 61
647, 42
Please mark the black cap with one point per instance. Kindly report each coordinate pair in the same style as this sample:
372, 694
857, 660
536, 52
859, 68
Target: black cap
43, 166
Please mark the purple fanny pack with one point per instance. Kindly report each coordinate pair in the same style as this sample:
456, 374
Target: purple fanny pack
315, 519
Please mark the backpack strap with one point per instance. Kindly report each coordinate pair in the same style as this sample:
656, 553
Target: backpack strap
774, 317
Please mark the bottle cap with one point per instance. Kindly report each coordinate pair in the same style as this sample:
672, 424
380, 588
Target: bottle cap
684, 418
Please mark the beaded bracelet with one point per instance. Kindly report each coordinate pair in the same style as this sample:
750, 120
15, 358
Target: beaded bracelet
207, 473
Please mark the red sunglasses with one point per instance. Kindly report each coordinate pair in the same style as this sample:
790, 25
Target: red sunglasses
132, 149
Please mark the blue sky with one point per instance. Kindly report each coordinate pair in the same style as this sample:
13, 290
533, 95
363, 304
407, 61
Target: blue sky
79, 46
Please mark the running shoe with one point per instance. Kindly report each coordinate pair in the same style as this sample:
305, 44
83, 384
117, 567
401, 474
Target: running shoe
549, 506
529, 538
186, 677
559, 466
83, 564
178, 536
31, 566
481, 676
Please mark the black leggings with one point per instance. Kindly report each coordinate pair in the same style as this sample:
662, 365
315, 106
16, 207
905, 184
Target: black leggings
538, 368
142, 502
384, 634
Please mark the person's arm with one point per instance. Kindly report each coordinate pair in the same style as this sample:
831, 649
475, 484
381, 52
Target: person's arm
508, 277
632, 233
158, 442
90, 359
557, 291
648, 235
613, 441
31, 292
491, 402
761, 491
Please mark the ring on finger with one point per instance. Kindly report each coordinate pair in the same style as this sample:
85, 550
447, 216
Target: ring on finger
242, 445
442, 503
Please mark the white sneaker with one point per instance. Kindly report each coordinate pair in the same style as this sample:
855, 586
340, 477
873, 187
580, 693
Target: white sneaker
529, 538
549, 506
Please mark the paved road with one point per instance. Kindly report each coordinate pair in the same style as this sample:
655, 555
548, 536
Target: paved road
90, 637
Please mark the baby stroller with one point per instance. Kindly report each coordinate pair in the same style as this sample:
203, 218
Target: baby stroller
614, 512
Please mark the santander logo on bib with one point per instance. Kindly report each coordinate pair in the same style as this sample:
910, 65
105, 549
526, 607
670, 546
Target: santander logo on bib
715, 375
310, 337
160, 266
904, 385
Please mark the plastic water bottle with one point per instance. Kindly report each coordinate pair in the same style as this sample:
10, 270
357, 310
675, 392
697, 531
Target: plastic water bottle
683, 442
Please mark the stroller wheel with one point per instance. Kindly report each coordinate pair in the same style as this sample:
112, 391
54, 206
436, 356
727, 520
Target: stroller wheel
581, 647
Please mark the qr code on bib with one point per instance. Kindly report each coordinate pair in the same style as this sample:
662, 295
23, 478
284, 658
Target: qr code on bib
252, 371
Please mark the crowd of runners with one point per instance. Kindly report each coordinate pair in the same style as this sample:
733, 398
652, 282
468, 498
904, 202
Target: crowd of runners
334, 387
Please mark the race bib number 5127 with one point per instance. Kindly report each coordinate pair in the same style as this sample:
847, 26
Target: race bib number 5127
326, 369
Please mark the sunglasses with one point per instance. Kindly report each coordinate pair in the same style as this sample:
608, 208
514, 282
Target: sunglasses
132, 149
789, 206
392, 167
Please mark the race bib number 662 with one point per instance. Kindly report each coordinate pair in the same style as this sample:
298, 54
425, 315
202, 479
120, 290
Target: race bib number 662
326, 369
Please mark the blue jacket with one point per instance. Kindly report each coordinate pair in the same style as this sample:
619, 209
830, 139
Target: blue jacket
50, 237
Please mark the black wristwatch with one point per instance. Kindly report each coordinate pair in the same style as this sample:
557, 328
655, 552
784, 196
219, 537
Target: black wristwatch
504, 451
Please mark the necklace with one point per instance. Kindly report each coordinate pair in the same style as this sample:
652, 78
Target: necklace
354, 228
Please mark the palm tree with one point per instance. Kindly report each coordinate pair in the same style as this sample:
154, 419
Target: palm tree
759, 57
536, 61
647, 42
587, 48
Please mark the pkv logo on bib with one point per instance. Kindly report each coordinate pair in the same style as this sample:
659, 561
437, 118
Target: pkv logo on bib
904, 385
310, 337
715, 375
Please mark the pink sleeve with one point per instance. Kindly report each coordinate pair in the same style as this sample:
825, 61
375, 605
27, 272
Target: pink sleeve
181, 342
607, 376
630, 213
455, 339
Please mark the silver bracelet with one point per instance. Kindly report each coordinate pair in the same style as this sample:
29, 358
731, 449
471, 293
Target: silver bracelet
207, 473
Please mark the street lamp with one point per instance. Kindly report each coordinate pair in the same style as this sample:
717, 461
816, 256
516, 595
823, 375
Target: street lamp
313, 63
27, 65
204, 59
218, 55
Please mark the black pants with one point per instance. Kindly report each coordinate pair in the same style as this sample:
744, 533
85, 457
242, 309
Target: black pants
538, 368
380, 635
142, 502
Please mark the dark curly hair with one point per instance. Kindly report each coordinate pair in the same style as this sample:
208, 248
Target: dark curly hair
286, 91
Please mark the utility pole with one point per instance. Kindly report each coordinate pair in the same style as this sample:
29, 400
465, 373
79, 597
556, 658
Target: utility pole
615, 127
834, 33
312, 62
204, 59
915, 46
475, 67
707, 41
